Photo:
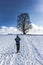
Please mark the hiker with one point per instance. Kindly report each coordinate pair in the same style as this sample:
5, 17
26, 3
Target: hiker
17, 39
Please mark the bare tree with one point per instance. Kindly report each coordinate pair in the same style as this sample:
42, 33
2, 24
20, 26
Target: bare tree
23, 22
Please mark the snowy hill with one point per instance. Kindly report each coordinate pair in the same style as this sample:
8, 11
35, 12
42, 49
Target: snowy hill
13, 30
31, 50
36, 30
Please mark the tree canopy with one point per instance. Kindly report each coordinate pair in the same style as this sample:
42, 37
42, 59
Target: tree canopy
23, 22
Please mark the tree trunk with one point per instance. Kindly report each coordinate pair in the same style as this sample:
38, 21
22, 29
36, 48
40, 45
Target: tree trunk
23, 29
24, 33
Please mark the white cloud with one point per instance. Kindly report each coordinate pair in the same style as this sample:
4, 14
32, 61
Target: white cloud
13, 30
36, 30
9, 30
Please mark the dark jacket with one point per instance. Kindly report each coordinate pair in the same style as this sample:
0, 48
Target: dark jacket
17, 39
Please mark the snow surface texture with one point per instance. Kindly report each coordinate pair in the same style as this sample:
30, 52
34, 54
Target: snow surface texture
31, 50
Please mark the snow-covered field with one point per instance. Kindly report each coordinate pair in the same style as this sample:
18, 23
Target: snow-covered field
31, 50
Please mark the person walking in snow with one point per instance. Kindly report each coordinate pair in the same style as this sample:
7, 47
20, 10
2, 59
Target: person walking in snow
17, 39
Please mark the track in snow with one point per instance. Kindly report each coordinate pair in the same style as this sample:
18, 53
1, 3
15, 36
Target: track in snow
29, 54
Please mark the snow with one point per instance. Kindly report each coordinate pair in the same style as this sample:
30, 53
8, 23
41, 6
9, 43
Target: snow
9, 30
35, 30
14, 30
31, 50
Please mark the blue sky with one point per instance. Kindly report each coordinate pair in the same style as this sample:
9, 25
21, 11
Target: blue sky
10, 9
